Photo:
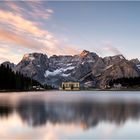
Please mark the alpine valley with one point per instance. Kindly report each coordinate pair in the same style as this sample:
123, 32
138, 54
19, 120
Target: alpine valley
87, 68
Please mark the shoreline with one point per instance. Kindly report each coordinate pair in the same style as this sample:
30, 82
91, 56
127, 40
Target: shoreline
129, 89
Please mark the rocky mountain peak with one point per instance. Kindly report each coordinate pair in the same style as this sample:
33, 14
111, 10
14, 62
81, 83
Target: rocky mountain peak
33, 65
115, 57
119, 56
135, 61
32, 56
88, 56
28, 57
84, 53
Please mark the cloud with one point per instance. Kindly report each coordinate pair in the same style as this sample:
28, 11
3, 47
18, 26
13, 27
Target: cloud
17, 39
6, 51
13, 7
19, 24
2, 59
110, 48
50, 11
19, 28
70, 49
36, 9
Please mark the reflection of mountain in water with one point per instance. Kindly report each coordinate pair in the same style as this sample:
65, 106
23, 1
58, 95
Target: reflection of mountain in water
89, 114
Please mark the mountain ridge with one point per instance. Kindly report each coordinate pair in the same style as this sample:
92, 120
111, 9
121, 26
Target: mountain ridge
87, 68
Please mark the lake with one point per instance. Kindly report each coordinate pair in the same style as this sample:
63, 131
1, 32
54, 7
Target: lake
70, 115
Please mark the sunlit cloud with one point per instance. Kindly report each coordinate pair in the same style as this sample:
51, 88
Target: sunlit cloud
6, 51
19, 40
20, 24
111, 48
50, 11
21, 28
2, 59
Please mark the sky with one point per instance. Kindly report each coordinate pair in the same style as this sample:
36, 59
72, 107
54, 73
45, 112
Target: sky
68, 27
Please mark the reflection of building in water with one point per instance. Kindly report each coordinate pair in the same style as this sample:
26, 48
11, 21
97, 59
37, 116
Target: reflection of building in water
70, 86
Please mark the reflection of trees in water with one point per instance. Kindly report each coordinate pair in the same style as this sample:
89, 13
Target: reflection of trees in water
33, 112
88, 114
5, 111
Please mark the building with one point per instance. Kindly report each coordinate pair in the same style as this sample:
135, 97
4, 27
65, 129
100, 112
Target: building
117, 86
70, 86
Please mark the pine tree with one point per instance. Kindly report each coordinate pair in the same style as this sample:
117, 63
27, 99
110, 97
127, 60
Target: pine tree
10, 80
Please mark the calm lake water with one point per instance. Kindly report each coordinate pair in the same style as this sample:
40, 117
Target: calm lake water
70, 115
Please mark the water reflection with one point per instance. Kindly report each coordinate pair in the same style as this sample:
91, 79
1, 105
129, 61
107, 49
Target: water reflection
5, 111
69, 116
89, 114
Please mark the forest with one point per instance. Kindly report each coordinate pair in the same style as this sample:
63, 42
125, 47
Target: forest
10, 80
126, 82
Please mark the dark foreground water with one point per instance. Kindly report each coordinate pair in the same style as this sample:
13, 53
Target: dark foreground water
70, 115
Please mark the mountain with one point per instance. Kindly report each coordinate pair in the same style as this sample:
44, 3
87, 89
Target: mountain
87, 68
112, 68
55, 69
137, 62
34, 66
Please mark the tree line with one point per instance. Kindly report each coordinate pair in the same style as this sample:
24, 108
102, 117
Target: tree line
10, 80
126, 82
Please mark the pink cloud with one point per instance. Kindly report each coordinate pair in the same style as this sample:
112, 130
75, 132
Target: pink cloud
110, 48
5, 52
50, 11
11, 5
20, 24
17, 39
18, 31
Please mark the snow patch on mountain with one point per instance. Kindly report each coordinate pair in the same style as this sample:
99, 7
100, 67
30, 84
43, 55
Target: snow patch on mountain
138, 66
52, 73
65, 75
68, 68
58, 72
69, 64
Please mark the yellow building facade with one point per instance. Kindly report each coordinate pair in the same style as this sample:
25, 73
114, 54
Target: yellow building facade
70, 86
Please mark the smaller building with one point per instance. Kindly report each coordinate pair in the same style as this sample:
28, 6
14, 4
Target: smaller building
70, 86
117, 86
